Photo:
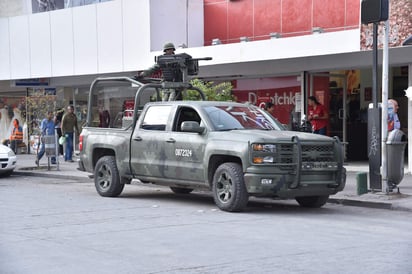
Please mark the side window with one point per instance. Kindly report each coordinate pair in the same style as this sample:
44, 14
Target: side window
156, 118
185, 114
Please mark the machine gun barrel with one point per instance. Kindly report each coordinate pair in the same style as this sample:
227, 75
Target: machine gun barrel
203, 59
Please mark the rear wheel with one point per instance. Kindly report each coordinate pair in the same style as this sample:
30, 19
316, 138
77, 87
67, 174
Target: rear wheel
312, 201
106, 177
181, 190
229, 191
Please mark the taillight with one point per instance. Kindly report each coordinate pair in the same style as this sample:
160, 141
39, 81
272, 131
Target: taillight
81, 142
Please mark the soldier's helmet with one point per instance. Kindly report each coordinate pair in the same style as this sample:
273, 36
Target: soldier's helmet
168, 46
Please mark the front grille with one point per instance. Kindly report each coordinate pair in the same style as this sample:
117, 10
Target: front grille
318, 153
285, 157
314, 155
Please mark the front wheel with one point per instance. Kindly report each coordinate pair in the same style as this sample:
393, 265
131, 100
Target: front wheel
229, 191
106, 177
312, 201
7, 173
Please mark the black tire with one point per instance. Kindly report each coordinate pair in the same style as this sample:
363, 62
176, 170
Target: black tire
312, 201
6, 174
106, 177
229, 191
181, 190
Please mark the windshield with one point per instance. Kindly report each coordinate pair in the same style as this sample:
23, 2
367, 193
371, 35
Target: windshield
241, 117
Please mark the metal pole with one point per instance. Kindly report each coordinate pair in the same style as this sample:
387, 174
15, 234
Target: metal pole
374, 123
384, 121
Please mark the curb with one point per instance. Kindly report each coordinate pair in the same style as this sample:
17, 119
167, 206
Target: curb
48, 175
368, 204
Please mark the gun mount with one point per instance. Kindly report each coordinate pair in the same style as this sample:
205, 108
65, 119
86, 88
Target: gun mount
177, 67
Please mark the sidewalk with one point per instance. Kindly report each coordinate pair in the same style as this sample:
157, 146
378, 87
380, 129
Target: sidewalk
393, 200
65, 170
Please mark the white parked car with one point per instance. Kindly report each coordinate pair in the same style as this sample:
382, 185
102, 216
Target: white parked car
8, 161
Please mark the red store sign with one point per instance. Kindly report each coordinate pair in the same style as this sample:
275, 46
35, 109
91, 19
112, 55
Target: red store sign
284, 100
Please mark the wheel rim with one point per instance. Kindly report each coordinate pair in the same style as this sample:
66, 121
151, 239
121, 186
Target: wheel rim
224, 188
104, 177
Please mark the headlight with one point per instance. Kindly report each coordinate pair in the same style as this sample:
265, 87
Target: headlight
264, 147
11, 153
263, 160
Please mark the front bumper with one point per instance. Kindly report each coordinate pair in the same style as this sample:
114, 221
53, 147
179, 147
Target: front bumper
8, 163
301, 169
283, 185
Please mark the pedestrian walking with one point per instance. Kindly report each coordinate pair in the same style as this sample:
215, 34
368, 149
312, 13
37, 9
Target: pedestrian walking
69, 127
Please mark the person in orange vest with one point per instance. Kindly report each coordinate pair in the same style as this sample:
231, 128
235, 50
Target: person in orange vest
16, 136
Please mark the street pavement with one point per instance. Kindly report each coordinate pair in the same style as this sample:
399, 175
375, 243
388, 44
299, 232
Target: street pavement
398, 199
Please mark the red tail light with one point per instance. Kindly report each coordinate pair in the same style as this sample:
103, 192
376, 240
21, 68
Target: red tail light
81, 142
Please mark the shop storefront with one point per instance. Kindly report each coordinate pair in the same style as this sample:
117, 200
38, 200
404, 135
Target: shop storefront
30, 104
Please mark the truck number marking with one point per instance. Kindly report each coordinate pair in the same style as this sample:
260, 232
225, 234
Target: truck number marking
183, 152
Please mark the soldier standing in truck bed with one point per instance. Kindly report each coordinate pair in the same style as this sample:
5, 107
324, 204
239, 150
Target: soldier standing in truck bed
167, 94
168, 49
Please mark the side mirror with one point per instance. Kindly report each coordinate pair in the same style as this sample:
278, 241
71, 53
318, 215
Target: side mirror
191, 126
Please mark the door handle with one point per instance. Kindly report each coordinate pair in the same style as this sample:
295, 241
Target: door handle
138, 138
171, 140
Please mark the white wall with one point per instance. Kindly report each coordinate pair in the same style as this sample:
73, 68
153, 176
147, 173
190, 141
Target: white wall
114, 36
19, 47
180, 23
62, 42
39, 45
4, 49
110, 37
136, 34
85, 39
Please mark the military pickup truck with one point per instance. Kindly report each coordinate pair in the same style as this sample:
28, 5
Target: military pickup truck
235, 150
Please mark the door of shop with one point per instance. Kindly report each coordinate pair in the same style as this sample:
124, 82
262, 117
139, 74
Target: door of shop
334, 101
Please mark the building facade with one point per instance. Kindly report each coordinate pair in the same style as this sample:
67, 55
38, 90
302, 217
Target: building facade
272, 50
